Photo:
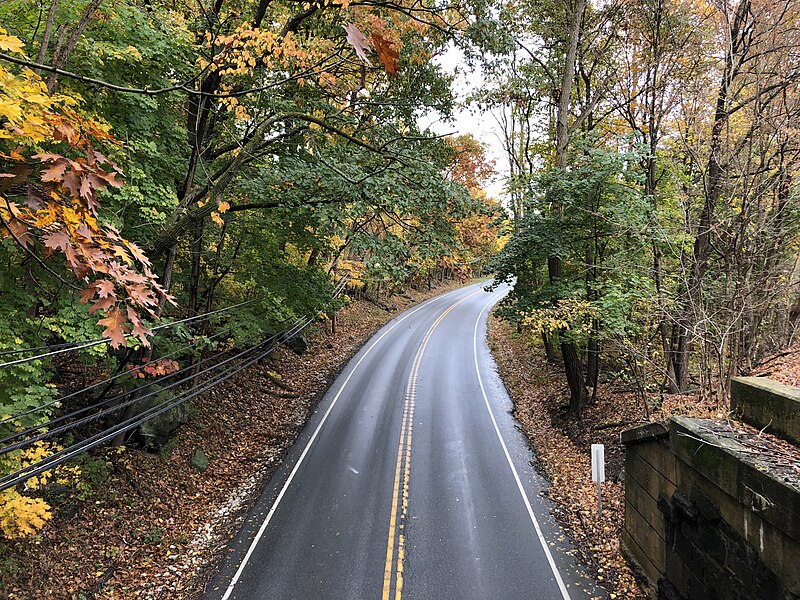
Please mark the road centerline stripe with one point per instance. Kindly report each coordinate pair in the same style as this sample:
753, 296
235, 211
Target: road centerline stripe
563, 588
396, 535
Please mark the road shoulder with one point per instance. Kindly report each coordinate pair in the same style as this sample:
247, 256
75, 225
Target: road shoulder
563, 457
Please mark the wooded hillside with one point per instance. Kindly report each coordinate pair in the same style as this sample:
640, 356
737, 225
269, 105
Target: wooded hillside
654, 154
185, 184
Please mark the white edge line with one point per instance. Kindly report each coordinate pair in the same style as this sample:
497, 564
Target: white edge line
534, 520
310, 442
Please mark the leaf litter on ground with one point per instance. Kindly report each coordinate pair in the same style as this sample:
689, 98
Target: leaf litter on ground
563, 445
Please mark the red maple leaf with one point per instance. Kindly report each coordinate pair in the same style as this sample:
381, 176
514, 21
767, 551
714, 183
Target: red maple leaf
142, 295
101, 179
84, 230
133, 277
68, 132
92, 204
102, 158
87, 294
86, 190
120, 252
138, 254
139, 329
102, 304
72, 183
55, 172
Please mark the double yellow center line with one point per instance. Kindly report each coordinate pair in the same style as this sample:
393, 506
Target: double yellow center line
393, 571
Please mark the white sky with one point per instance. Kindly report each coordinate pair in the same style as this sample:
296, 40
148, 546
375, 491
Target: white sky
483, 126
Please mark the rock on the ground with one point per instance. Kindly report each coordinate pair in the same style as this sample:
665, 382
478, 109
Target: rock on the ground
298, 343
156, 432
199, 459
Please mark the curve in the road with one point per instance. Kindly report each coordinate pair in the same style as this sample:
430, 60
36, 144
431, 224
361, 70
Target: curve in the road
466, 521
394, 570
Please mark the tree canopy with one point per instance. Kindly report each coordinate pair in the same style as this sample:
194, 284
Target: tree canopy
162, 162
653, 155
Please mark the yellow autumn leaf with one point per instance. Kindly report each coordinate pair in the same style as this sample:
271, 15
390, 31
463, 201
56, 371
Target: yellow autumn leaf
10, 110
10, 43
223, 206
134, 52
20, 515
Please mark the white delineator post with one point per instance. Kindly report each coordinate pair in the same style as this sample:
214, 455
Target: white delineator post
598, 473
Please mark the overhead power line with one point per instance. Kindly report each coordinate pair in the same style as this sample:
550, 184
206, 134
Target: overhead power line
81, 345
262, 349
158, 384
153, 383
62, 456
113, 378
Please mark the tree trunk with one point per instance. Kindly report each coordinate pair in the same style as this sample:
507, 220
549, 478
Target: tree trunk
48, 32
575, 9
64, 49
312, 258
574, 371
593, 356
572, 363
194, 281
549, 350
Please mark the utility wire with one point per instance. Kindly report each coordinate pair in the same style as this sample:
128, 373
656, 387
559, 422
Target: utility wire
67, 416
61, 348
138, 368
162, 326
113, 378
277, 338
136, 399
98, 439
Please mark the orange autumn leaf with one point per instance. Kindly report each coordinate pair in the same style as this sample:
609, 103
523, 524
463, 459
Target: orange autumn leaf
386, 53
60, 209
115, 327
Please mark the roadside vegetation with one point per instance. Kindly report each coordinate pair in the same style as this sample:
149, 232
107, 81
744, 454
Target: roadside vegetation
654, 155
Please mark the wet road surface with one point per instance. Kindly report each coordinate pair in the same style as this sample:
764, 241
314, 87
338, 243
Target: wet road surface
409, 481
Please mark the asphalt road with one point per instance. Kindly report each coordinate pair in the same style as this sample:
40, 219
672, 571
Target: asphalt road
410, 481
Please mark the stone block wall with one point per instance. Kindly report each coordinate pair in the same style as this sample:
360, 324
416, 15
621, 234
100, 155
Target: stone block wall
649, 475
709, 514
767, 405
